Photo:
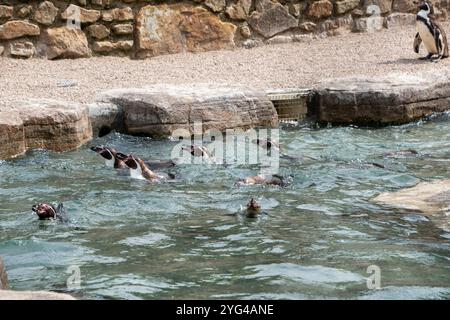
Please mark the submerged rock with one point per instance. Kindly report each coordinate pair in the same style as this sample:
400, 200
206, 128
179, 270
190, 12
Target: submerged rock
432, 199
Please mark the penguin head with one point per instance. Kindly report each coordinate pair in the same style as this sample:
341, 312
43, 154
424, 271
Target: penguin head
426, 6
104, 152
44, 211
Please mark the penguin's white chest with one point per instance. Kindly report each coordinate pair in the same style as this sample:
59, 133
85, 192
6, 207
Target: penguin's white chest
427, 37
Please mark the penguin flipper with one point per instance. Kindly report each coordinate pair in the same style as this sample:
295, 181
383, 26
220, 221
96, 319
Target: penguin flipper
417, 42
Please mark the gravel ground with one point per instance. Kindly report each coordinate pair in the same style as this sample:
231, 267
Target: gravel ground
265, 67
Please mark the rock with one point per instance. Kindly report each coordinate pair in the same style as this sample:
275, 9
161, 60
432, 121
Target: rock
46, 13
273, 19
390, 99
2, 49
105, 117
384, 5
123, 29
343, 6
216, 5
308, 26
161, 109
397, 19
178, 28
239, 10
3, 276
295, 9
406, 6
432, 199
24, 11
245, 31
6, 11
65, 42
33, 295
280, 40
23, 49
98, 31
101, 3
370, 24
84, 16
43, 124
12, 137
320, 9
118, 14
17, 29
108, 46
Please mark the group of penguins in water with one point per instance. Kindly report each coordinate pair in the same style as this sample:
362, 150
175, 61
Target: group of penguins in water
429, 32
152, 172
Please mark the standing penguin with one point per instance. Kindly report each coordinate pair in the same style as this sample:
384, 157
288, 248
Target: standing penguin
430, 32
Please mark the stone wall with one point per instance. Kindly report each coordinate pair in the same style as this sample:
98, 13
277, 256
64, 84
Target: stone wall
146, 28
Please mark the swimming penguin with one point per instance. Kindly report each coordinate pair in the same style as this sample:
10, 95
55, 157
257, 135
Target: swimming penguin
253, 209
269, 144
275, 180
152, 165
46, 211
430, 33
111, 156
139, 170
197, 151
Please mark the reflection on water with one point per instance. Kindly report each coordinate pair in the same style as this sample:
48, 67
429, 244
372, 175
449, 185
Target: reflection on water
316, 238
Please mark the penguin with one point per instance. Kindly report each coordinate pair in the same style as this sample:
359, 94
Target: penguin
46, 211
430, 33
111, 156
152, 165
140, 170
274, 180
269, 144
253, 209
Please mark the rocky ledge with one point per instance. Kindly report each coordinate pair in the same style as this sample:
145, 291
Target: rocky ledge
391, 99
431, 199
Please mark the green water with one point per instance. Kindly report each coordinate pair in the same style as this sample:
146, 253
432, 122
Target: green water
136, 240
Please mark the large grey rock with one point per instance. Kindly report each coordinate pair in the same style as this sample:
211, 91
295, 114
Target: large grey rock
432, 199
3, 276
43, 124
33, 295
391, 99
161, 109
271, 18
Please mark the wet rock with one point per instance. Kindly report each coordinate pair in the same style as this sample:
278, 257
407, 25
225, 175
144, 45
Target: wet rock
123, 29
177, 28
44, 124
271, 18
108, 46
17, 29
6, 11
46, 13
216, 5
161, 109
118, 14
320, 9
396, 19
98, 31
65, 42
23, 49
432, 199
85, 15
3, 276
390, 99
33, 295
343, 6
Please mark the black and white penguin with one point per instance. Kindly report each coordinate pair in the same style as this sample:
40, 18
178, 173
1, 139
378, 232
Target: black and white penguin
140, 170
430, 33
46, 211
111, 156
253, 209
